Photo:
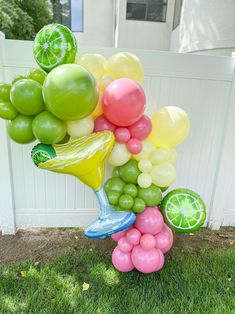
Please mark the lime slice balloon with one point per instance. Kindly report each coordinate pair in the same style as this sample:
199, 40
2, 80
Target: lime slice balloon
183, 210
54, 45
42, 153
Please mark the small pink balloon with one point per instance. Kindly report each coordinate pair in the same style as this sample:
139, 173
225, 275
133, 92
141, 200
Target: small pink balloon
134, 146
118, 235
124, 245
102, 124
122, 135
141, 129
122, 261
164, 240
133, 236
161, 260
150, 221
146, 261
147, 241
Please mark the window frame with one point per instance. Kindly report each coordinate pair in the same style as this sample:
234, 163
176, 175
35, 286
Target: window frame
175, 25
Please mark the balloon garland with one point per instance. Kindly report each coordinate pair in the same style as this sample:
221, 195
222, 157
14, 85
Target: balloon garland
87, 110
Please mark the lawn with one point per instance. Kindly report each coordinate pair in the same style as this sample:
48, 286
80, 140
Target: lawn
198, 277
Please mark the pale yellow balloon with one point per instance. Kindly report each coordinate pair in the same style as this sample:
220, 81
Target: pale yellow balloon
144, 180
147, 148
94, 63
79, 128
98, 109
125, 64
163, 175
162, 155
145, 165
119, 155
170, 127
103, 82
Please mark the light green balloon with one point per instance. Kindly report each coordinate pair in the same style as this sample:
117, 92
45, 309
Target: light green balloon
20, 129
37, 75
7, 110
5, 91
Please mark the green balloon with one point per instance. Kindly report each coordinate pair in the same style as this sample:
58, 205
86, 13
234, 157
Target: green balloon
70, 92
139, 205
18, 78
113, 197
20, 129
7, 110
37, 75
5, 91
114, 184
48, 129
130, 171
26, 96
152, 195
115, 172
65, 139
126, 202
131, 190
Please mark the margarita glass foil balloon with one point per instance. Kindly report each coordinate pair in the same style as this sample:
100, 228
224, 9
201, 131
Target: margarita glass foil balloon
84, 159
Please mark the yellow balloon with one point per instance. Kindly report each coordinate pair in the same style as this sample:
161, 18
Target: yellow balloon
147, 148
163, 175
94, 63
170, 127
103, 82
119, 155
125, 64
98, 109
162, 155
144, 180
79, 128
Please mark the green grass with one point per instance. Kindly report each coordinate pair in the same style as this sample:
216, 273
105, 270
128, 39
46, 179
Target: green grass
201, 282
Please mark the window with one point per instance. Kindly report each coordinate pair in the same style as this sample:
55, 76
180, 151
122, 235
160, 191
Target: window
68, 13
146, 10
177, 13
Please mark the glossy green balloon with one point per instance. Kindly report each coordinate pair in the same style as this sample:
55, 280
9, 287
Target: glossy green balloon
37, 75
70, 92
114, 184
130, 171
20, 129
152, 195
115, 172
48, 129
5, 91
139, 205
65, 139
26, 96
7, 110
18, 78
131, 190
113, 197
126, 202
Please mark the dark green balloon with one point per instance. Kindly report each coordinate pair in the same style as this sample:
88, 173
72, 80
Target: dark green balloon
139, 205
152, 195
130, 171
7, 110
125, 202
20, 129
114, 184
5, 91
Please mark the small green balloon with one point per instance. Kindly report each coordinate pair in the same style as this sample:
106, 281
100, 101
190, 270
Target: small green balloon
20, 129
152, 195
18, 78
131, 190
130, 171
114, 184
65, 139
26, 97
126, 202
115, 172
48, 129
5, 91
7, 110
113, 197
139, 205
37, 75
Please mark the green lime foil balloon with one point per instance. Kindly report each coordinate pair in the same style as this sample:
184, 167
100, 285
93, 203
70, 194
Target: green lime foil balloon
5, 91
20, 129
70, 92
26, 97
48, 129
7, 110
37, 75
54, 45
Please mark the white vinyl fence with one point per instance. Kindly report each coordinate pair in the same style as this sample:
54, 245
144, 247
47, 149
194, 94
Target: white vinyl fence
204, 86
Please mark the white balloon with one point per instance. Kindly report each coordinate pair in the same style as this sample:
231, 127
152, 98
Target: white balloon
79, 128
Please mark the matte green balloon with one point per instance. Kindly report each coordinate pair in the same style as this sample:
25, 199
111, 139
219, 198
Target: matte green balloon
139, 205
152, 196
48, 129
18, 78
20, 129
113, 197
130, 171
5, 91
114, 184
126, 202
7, 110
70, 92
37, 75
26, 96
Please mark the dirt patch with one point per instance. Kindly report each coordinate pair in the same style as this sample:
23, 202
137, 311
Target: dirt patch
45, 244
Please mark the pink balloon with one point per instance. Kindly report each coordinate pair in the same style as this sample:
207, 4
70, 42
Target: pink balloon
146, 261
123, 101
125, 246
134, 146
133, 236
102, 124
150, 221
141, 128
161, 260
122, 261
147, 241
118, 235
164, 240
122, 135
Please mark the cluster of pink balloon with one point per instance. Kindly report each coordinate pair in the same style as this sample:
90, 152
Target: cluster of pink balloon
143, 246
